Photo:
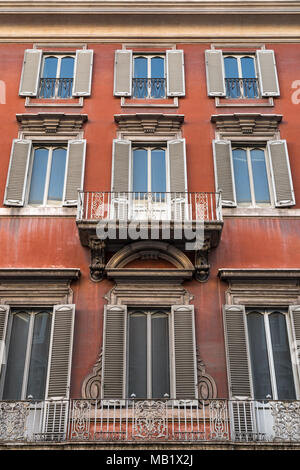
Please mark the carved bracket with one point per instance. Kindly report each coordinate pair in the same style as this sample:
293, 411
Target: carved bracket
97, 266
207, 388
202, 267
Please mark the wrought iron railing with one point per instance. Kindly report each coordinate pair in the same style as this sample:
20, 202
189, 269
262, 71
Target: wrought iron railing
149, 87
55, 88
242, 88
150, 420
164, 206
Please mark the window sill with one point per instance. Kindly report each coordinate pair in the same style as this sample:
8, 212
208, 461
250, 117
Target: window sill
260, 212
239, 103
149, 103
38, 211
54, 102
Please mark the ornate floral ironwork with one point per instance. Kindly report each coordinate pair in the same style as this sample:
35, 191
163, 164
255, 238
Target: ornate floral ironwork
218, 417
81, 418
13, 416
286, 424
150, 420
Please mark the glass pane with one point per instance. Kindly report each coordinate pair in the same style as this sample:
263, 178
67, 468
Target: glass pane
249, 75
38, 176
140, 80
232, 77
158, 172
140, 171
16, 357
50, 67
241, 176
57, 175
259, 356
248, 68
160, 356
260, 178
137, 379
157, 77
66, 76
39, 356
282, 357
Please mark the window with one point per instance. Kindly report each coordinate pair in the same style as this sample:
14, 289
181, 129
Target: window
149, 76
271, 365
47, 176
57, 76
240, 77
148, 354
149, 170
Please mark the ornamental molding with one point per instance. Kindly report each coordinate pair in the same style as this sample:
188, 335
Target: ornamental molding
149, 124
254, 124
235, 274
51, 123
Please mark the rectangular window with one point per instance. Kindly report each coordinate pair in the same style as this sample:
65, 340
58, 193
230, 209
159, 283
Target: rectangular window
271, 364
149, 169
240, 76
149, 79
148, 354
57, 76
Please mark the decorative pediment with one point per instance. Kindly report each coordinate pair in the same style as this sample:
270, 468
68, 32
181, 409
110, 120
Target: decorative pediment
51, 123
154, 124
237, 124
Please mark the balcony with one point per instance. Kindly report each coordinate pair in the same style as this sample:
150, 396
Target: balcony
149, 88
60, 88
163, 421
243, 88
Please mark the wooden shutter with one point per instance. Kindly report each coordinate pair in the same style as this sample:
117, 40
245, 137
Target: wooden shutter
184, 351
83, 73
74, 171
31, 72
4, 312
281, 173
17, 173
120, 165
175, 72
177, 164
267, 72
114, 351
215, 76
294, 312
123, 73
224, 176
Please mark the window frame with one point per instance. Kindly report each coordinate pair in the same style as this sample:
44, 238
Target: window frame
59, 56
239, 56
149, 56
149, 147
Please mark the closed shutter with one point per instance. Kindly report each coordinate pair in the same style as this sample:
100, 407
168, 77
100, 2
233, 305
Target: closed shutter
120, 165
184, 351
294, 311
215, 76
123, 73
31, 72
175, 72
224, 175
74, 171
17, 173
114, 351
281, 173
267, 72
83, 73
4, 312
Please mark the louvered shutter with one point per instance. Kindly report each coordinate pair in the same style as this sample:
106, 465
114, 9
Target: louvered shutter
83, 73
178, 179
175, 72
224, 176
267, 72
31, 72
120, 165
294, 312
74, 171
281, 173
114, 351
215, 75
184, 351
17, 173
4, 312
123, 73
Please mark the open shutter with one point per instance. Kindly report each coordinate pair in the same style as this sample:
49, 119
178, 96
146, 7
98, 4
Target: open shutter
294, 311
175, 72
31, 72
224, 175
83, 73
281, 173
17, 173
184, 352
267, 72
178, 179
215, 75
120, 165
123, 73
114, 351
4, 312
74, 171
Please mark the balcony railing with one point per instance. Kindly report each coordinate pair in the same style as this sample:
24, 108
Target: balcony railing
149, 87
55, 88
244, 88
161, 420
166, 206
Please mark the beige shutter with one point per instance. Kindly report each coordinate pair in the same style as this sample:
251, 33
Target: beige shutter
114, 351
281, 173
177, 164
4, 312
83, 73
267, 72
215, 76
123, 73
175, 72
224, 176
74, 171
185, 368
31, 72
294, 312
120, 165
17, 173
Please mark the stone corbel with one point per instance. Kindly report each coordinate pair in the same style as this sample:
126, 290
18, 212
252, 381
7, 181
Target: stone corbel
97, 266
202, 266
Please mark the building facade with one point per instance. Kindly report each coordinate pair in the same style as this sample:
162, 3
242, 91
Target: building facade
149, 224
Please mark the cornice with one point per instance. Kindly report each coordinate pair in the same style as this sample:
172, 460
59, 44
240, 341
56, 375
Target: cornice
258, 273
51, 123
